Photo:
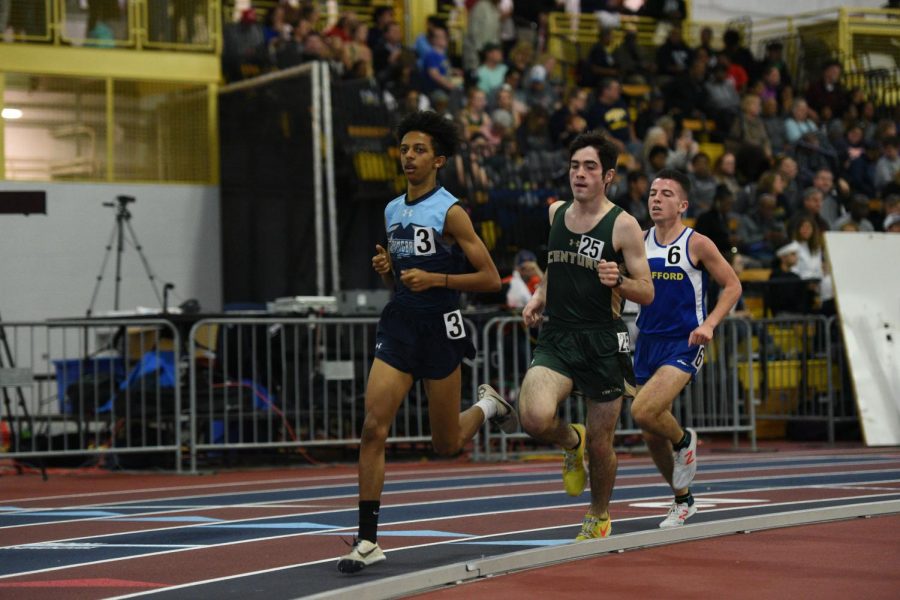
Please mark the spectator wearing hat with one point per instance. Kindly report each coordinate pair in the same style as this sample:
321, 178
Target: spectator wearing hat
524, 280
539, 87
492, 70
786, 293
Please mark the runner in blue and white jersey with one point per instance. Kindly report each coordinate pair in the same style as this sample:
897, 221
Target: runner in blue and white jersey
674, 330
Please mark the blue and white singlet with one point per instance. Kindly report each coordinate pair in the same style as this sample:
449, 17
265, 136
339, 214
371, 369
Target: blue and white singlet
679, 301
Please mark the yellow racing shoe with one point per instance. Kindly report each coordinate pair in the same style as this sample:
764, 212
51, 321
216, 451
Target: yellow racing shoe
593, 528
574, 473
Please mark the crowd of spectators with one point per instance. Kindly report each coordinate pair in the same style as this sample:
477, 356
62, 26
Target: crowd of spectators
793, 161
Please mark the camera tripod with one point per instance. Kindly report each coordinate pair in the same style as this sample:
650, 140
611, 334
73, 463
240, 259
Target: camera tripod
121, 228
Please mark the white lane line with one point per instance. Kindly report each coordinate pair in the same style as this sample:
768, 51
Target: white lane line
512, 470
457, 488
428, 544
350, 477
422, 520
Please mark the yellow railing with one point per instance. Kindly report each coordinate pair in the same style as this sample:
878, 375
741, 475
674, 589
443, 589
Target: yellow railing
142, 24
108, 129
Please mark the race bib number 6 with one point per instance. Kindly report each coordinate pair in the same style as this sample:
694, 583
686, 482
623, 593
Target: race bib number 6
453, 322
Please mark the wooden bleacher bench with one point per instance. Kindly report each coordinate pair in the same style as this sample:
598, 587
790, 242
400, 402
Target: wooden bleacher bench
758, 274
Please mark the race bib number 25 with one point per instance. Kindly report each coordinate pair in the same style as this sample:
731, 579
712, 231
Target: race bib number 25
590, 247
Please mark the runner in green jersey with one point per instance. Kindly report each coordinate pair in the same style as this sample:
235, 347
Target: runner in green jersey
596, 260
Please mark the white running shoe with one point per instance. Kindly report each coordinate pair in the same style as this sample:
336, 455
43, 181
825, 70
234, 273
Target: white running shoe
678, 514
506, 418
364, 554
685, 464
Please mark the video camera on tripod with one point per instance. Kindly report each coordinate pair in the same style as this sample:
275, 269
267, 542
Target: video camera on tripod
121, 228
122, 200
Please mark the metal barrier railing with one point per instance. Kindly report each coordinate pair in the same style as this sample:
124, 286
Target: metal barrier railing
114, 388
798, 377
91, 388
294, 383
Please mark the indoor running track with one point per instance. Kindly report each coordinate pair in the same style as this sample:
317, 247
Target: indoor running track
276, 534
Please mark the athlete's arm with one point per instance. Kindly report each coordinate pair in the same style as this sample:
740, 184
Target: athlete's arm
381, 262
703, 251
533, 312
458, 226
628, 238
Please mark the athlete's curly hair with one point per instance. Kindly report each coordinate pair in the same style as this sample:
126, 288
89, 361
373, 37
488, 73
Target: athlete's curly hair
443, 132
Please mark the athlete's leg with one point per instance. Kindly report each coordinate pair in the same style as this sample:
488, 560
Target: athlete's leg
386, 389
652, 406
602, 418
542, 391
450, 429
652, 412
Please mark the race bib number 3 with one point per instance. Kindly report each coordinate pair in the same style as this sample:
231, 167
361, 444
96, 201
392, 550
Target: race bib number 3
453, 322
424, 241
590, 247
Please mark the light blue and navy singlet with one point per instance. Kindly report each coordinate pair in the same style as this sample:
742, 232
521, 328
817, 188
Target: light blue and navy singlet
415, 232
422, 333
679, 304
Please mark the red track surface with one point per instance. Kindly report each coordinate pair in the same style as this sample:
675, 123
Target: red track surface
848, 559
837, 560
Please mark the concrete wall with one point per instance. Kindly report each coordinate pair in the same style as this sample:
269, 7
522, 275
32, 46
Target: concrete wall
49, 263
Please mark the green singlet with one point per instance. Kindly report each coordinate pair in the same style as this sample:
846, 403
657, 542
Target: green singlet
575, 296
